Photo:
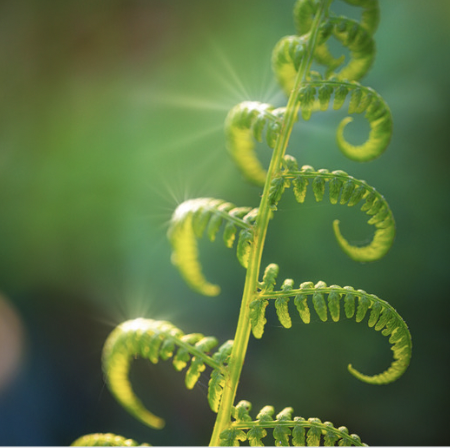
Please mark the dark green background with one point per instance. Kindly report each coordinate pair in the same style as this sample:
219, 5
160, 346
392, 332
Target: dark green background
111, 113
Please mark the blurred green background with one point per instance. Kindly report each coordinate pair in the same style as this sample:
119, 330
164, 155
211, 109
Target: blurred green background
111, 114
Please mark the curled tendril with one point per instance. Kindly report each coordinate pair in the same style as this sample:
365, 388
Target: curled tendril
343, 189
319, 94
370, 16
334, 301
355, 36
356, 39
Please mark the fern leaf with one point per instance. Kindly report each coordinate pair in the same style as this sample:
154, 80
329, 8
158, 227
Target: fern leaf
215, 389
289, 163
282, 433
330, 437
232, 437
319, 302
244, 247
223, 353
286, 58
137, 338
356, 39
244, 126
182, 357
370, 15
255, 435
269, 277
363, 100
229, 234
189, 222
257, 306
344, 441
358, 304
265, 414
301, 302
217, 380
319, 186
335, 187
257, 317
105, 439
289, 51
301, 183
304, 12
197, 366
281, 305
381, 243
363, 306
351, 191
277, 187
241, 411
317, 93
314, 433
333, 303
300, 432
257, 432
349, 302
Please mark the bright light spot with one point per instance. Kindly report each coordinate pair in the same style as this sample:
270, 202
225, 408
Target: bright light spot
135, 325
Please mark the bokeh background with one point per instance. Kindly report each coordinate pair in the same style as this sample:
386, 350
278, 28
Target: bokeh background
111, 114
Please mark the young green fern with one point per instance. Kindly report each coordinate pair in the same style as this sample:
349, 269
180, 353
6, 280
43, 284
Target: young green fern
246, 227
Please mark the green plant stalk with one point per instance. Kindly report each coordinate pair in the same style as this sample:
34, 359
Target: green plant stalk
243, 330
245, 124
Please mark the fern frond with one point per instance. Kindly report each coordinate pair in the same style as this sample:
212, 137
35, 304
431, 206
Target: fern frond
154, 340
258, 307
370, 16
217, 381
269, 277
189, 222
105, 439
356, 303
317, 94
290, 50
362, 100
287, 56
286, 429
345, 189
305, 10
244, 126
356, 39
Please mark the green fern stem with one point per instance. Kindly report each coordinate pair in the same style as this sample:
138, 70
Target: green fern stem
243, 330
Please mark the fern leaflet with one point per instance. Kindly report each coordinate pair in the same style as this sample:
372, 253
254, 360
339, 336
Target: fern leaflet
304, 10
189, 222
244, 126
356, 303
247, 120
286, 430
154, 340
105, 439
362, 100
344, 189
